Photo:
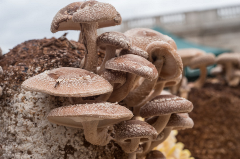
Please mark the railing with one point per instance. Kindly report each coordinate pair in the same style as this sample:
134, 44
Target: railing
194, 22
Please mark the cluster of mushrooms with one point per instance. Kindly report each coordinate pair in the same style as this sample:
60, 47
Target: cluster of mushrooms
137, 65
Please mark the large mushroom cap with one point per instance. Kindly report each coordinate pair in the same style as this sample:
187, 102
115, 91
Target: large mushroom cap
68, 82
133, 64
72, 116
63, 19
116, 39
202, 60
172, 66
180, 121
103, 13
141, 37
134, 129
164, 105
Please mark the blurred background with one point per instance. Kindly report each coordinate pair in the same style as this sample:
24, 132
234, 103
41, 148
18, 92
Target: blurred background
198, 21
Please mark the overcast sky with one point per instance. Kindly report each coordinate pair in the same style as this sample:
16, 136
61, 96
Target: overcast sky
22, 20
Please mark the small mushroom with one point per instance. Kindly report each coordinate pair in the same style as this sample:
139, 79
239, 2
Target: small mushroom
228, 60
94, 118
202, 62
129, 134
177, 121
134, 50
133, 65
188, 54
111, 41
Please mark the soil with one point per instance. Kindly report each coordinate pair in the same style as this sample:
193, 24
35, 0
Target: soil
215, 134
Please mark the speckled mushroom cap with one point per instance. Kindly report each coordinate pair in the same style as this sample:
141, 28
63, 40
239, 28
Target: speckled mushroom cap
93, 11
114, 76
116, 39
133, 64
188, 54
107, 114
134, 50
141, 37
180, 121
203, 60
63, 19
68, 82
134, 129
172, 66
228, 57
155, 154
164, 105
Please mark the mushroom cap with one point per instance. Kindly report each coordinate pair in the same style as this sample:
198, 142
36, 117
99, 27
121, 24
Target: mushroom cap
116, 39
203, 60
134, 129
228, 57
134, 50
180, 121
63, 19
133, 64
187, 54
93, 11
68, 82
155, 154
113, 76
165, 105
107, 114
172, 66
141, 37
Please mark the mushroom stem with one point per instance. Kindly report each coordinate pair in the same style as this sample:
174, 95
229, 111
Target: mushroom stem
132, 155
139, 94
94, 135
161, 123
130, 147
203, 75
229, 71
123, 91
150, 145
110, 53
89, 34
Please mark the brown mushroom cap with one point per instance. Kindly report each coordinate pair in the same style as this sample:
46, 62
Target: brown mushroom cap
134, 129
180, 121
188, 54
63, 19
134, 50
116, 39
173, 82
133, 64
172, 66
203, 60
164, 105
72, 116
141, 37
103, 13
155, 154
68, 82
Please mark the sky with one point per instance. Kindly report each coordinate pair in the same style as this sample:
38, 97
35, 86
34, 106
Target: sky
22, 20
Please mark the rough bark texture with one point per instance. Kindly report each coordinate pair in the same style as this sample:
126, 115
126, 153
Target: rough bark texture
24, 130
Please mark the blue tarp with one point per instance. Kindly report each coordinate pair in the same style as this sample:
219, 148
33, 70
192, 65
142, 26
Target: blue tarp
182, 44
